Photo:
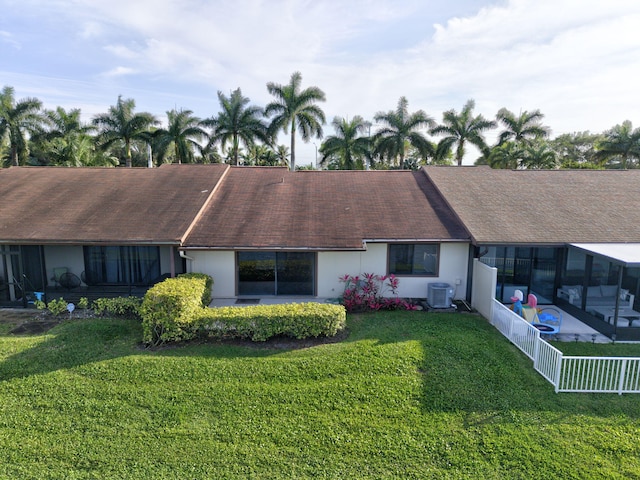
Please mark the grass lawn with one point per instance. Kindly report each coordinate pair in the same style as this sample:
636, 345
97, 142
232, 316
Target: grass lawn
405, 395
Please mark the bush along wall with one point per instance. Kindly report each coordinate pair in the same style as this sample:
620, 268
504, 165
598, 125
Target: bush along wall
169, 309
262, 322
175, 310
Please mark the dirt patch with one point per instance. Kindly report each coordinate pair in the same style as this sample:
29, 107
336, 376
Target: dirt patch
27, 321
34, 327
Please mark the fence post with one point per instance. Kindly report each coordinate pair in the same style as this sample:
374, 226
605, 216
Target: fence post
536, 349
511, 322
623, 372
558, 372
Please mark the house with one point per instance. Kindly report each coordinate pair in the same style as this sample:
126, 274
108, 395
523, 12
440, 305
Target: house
571, 237
255, 230
262, 231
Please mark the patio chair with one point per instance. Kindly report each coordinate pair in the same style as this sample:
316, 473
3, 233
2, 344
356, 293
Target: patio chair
69, 281
57, 273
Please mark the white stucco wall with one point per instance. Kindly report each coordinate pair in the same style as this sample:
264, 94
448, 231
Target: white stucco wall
333, 265
220, 265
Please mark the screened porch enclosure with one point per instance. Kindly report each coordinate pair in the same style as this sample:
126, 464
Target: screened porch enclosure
276, 273
121, 265
600, 285
21, 274
597, 283
529, 269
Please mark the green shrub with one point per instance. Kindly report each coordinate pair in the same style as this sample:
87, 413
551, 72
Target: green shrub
206, 294
57, 307
83, 303
175, 310
261, 322
169, 308
128, 307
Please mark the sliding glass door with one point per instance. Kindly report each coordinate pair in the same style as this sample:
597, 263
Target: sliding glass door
276, 273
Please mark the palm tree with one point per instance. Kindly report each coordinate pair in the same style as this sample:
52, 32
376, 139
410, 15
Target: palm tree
120, 127
577, 149
16, 118
539, 155
238, 123
507, 155
621, 144
261, 155
402, 127
347, 148
522, 129
282, 154
182, 133
463, 128
66, 140
295, 108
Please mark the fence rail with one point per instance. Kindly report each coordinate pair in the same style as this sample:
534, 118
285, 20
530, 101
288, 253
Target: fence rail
567, 373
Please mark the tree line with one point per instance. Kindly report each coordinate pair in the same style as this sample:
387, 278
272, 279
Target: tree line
246, 134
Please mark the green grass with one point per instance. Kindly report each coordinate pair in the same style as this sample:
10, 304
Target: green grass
599, 349
406, 395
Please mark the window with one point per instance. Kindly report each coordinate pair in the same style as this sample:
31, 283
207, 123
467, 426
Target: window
121, 265
276, 273
413, 259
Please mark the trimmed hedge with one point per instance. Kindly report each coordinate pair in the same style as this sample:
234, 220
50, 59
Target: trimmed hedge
176, 309
169, 308
206, 294
261, 322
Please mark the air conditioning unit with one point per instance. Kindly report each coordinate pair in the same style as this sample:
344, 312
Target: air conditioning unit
439, 295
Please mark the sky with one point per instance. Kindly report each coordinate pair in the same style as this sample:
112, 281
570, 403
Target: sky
577, 61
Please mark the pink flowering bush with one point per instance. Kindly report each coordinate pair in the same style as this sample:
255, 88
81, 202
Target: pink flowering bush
370, 292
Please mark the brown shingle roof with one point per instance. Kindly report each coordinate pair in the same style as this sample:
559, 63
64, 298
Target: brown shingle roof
543, 206
102, 205
258, 207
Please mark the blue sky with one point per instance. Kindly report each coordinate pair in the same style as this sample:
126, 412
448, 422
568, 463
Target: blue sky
578, 61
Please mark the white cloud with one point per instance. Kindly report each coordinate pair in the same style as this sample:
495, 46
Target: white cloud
119, 71
576, 60
9, 39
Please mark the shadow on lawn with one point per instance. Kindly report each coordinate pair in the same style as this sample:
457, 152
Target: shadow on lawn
78, 342
466, 365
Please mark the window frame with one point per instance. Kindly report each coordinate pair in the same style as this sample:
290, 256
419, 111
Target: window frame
436, 271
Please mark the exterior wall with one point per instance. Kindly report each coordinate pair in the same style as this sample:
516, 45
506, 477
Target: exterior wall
221, 265
333, 265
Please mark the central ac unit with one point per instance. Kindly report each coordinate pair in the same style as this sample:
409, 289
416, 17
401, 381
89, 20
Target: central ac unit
439, 295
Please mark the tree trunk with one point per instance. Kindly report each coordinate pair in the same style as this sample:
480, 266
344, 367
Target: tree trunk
128, 153
14, 156
460, 152
292, 166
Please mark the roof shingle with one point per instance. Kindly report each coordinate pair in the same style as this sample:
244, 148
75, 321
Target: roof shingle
266, 207
102, 205
543, 206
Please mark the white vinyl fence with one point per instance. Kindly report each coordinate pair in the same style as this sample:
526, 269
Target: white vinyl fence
567, 374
